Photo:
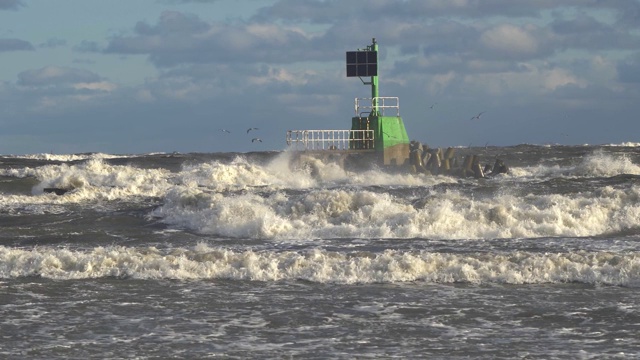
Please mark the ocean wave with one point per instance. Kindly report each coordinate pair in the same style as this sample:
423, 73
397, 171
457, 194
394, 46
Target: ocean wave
277, 174
596, 164
89, 180
97, 179
244, 199
67, 157
323, 266
341, 213
625, 144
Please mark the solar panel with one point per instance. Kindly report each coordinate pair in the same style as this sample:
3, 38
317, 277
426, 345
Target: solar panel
362, 63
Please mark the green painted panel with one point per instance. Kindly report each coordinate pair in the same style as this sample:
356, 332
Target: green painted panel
389, 130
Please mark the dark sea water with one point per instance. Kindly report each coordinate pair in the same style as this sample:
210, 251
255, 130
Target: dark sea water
229, 255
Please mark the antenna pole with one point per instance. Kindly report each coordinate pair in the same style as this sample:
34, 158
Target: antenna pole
374, 82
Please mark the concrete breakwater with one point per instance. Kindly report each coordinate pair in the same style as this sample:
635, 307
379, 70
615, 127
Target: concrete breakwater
423, 159
420, 160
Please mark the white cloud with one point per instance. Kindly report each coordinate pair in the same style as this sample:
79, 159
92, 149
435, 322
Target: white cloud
55, 75
554, 78
440, 82
530, 80
309, 105
510, 39
144, 95
282, 76
604, 71
186, 39
273, 33
100, 85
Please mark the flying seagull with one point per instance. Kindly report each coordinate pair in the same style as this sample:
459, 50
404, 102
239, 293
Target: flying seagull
478, 116
256, 139
225, 130
249, 129
431, 107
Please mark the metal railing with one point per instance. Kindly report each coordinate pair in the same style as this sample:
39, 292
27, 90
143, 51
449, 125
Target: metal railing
381, 103
330, 139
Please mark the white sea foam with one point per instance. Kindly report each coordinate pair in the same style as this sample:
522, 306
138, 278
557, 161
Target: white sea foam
89, 180
241, 174
323, 266
602, 164
95, 179
67, 157
625, 144
596, 164
326, 213
204, 198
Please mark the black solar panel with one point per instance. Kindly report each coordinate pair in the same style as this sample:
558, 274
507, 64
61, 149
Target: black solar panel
362, 63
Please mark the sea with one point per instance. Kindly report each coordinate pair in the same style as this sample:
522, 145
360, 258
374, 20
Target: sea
244, 256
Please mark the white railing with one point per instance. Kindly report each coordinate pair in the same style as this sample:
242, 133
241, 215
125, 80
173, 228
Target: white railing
367, 105
330, 139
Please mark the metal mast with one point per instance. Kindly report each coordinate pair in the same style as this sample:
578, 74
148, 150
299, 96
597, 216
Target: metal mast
374, 82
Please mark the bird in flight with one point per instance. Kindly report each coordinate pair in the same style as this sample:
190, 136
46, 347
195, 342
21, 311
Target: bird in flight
256, 139
249, 129
478, 116
431, 107
225, 130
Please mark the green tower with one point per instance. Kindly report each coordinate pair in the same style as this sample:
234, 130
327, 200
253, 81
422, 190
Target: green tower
380, 114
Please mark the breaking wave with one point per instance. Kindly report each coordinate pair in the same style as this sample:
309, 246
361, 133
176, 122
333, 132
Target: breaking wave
323, 266
244, 199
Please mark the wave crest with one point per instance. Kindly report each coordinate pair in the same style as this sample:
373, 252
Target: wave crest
323, 266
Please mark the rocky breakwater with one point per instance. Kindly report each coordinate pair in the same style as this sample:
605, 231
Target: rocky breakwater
423, 159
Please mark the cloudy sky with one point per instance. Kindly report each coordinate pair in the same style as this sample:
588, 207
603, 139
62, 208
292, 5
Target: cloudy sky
142, 76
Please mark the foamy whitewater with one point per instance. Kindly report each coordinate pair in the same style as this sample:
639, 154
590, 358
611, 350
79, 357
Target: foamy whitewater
241, 255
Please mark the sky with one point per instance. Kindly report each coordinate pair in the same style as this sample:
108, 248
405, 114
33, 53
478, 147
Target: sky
145, 76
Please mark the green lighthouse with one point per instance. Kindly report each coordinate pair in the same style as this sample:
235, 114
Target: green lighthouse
380, 114
377, 134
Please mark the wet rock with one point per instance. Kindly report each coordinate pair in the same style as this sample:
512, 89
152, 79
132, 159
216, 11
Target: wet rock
57, 191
